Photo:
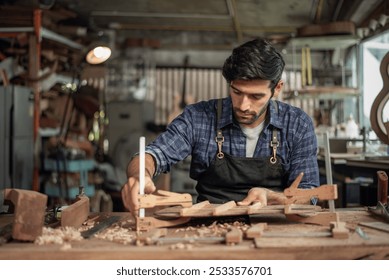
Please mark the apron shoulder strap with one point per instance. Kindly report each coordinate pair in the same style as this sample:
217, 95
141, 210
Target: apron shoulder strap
274, 143
219, 134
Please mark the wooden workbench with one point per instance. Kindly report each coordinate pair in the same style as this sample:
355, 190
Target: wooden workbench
271, 248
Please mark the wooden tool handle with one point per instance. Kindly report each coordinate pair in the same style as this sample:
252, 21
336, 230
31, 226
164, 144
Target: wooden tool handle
382, 190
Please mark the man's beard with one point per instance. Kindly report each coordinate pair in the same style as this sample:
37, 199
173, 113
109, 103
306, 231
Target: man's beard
249, 117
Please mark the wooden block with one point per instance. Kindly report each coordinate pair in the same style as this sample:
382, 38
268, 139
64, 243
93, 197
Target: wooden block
234, 236
30, 209
194, 208
339, 230
251, 209
256, 230
76, 214
220, 209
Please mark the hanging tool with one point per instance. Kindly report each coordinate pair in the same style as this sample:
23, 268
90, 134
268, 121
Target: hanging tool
306, 66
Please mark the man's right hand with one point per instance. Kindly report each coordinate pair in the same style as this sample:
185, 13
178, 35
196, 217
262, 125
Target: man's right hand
130, 193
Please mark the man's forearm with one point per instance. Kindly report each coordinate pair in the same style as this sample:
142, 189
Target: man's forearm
133, 166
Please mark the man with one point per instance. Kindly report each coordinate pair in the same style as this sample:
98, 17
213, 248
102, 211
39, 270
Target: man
246, 147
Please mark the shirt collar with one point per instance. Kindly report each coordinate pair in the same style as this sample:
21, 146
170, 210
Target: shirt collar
227, 115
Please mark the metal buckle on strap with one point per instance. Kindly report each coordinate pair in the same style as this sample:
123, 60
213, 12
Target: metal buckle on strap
274, 144
219, 140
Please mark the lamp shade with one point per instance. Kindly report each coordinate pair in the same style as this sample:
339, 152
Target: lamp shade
98, 54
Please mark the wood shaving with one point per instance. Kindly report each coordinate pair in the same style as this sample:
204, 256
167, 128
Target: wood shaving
117, 234
59, 236
181, 246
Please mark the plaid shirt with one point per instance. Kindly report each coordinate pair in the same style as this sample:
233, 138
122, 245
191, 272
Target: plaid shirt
193, 134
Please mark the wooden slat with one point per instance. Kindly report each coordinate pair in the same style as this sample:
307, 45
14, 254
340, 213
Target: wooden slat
234, 236
256, 231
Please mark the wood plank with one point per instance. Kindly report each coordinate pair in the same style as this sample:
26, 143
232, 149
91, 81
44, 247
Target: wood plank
223, 208
207, 210
234, 236
256, 230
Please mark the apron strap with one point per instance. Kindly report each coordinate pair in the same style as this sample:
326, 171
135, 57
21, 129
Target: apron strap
219, 135
274, 143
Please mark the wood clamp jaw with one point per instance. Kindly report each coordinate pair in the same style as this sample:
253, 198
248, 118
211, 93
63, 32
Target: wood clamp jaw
323, 192
162, 198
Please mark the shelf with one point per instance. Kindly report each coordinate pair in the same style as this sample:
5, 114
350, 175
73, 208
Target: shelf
76, 166
332, 92
46, 34
69, 193
70, 166
324, 42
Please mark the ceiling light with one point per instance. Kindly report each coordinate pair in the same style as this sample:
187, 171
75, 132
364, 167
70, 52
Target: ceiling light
383, 19
373, 24
98, 54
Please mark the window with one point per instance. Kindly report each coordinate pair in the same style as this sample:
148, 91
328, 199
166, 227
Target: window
372, 52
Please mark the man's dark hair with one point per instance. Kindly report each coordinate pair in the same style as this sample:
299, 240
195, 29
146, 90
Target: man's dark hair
256, 59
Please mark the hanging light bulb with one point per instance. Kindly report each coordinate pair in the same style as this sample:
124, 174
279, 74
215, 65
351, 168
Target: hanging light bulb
98, 54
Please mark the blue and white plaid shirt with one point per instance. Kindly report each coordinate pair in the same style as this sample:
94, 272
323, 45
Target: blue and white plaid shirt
193, 133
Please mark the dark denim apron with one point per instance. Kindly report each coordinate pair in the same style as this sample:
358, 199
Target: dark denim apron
230, 178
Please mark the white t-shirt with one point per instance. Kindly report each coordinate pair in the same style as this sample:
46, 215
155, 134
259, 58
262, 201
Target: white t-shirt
252, 135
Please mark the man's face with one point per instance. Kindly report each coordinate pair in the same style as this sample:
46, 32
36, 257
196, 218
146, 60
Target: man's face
250, 100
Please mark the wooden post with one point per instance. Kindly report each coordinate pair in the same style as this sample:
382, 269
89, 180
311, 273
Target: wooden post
34, 55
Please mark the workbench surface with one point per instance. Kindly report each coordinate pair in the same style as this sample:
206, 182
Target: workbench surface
374, 245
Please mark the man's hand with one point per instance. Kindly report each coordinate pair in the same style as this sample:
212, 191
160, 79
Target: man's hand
263, 196
130, 193
130, 190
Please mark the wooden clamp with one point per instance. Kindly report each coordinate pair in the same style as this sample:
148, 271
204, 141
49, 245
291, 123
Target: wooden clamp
164, 198
294, 194
323, 192
30, 209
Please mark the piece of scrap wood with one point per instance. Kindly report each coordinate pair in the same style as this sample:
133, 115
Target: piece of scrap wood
75, 214
29, 213
339, 230
234, 236
195, 207
256, 230
221, 209
251, 209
